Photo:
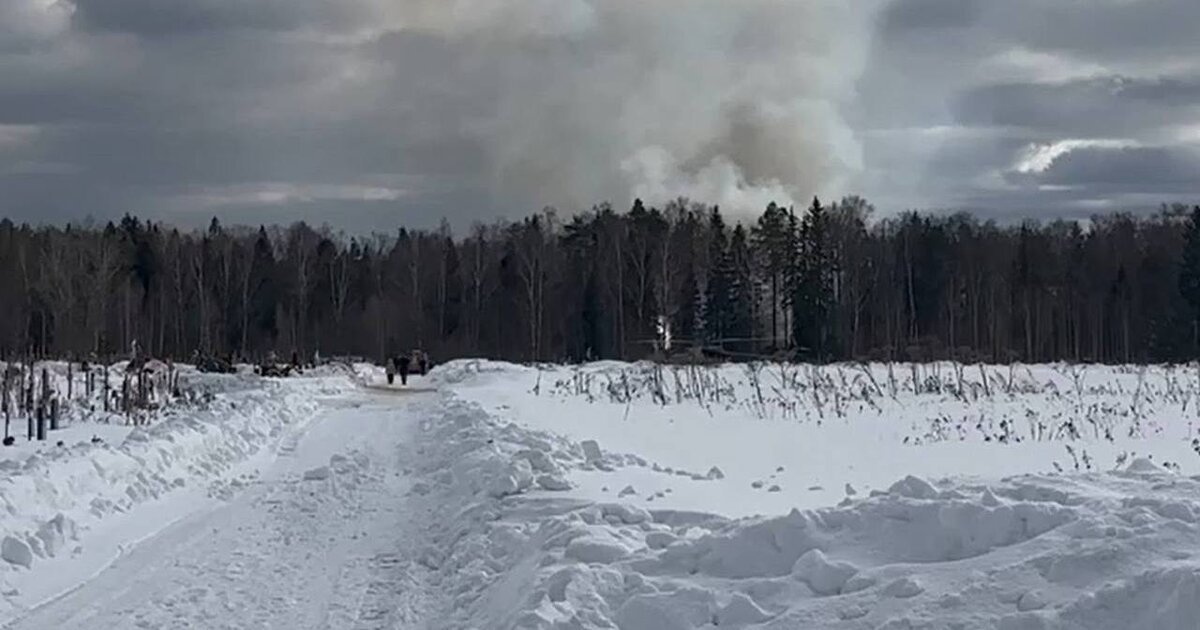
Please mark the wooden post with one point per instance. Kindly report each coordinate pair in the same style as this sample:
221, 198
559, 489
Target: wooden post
54, 414
30, 399
105, 375
22, 392
125, 397
4, 400
31, 403
70, 379
141, 385
43, 404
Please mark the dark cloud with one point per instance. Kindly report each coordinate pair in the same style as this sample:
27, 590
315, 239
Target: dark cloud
1087, 107
967, 92
161, 19
1132, 169
1099, 29
922, 15
1105, 29
218, 106
368, 113
237, 109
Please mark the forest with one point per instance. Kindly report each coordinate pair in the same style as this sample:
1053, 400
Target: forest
823, 283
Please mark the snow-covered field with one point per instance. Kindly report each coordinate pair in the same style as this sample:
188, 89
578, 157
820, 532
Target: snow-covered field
808, 432
626, 496
77, 505
847, 497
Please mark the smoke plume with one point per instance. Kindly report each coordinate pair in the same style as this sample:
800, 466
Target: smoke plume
722, 101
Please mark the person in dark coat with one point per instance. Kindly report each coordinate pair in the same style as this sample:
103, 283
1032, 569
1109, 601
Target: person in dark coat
402, 367
424, 362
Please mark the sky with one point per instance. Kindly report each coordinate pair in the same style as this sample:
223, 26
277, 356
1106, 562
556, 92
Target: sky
371, 114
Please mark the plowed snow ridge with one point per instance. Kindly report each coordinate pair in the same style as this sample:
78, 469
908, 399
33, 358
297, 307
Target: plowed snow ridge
500, 501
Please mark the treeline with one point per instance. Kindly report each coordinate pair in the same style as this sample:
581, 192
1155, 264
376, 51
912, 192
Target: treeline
821, 283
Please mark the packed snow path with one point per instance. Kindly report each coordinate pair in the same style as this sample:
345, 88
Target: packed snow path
514, 499
319, 540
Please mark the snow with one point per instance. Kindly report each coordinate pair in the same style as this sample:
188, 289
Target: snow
16, 551
317, 474
496, 496
272, 549
810, 431
821, 575
83, 503
967, 530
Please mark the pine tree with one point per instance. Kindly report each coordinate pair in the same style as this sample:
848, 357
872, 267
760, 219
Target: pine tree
742, 295
813, 303
264, 302
1189, 274
772, 243
451, 288
717, 307
688, 324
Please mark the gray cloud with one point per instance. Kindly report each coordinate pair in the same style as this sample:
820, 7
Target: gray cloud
477, 108
923, 15
368, 113
1133, 169
1086, 107
153, 18
1031, 107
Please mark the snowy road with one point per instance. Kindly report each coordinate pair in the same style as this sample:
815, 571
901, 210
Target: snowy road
317, 541
320, 503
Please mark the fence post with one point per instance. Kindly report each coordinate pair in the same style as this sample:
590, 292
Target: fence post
23, 395
4, 400
125, 398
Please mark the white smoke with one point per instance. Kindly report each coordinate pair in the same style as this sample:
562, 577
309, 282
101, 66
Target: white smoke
655, 175
735, 102
25, 21
568, 102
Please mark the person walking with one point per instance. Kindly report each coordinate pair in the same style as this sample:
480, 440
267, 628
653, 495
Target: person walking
403, 367
424, 363
390, 367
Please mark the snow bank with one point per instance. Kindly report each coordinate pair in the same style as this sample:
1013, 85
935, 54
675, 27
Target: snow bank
944, 560
477, 371
784, 436
49, 496
1102, 550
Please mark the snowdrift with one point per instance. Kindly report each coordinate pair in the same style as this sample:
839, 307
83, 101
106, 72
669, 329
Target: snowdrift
50, 498
1043, 549
626, 496
808, 436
